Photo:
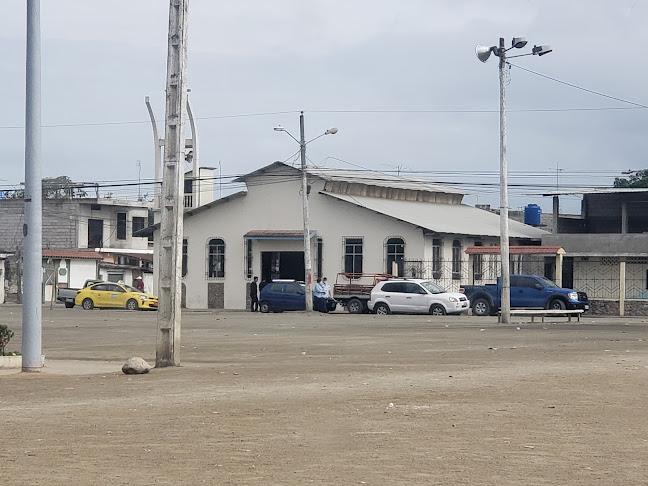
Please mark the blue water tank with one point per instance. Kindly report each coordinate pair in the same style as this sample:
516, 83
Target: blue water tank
532, 214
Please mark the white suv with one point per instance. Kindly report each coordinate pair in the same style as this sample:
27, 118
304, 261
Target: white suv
415, 296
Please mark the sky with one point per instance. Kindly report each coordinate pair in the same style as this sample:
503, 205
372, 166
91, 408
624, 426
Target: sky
400, 81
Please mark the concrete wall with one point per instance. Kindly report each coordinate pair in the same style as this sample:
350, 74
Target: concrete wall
611, 308
108, 213
59, 223
600, 244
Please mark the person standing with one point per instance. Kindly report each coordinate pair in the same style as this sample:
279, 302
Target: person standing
254, 295
139, 284
327, 294
319, 301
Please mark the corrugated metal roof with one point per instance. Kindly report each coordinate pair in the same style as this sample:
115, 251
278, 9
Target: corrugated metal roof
360, 177
72, 254
442, 218
515, 250
381, 180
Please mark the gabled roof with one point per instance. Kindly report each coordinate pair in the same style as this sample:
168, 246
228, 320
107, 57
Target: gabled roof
357, 177
442, 218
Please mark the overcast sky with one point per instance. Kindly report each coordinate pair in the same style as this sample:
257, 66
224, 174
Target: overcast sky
398, 79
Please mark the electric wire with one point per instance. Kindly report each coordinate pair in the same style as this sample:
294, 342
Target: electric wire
637, 105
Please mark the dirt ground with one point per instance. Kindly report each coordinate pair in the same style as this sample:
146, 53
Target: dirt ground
293, 399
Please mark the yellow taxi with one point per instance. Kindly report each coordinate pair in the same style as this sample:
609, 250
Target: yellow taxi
109, 294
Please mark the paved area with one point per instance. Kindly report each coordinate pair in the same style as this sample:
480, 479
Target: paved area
329, 399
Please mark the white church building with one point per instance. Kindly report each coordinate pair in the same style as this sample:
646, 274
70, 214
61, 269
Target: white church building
360, 222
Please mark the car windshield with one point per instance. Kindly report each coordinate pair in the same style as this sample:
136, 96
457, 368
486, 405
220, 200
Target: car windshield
432, 287
548, 283
131, 289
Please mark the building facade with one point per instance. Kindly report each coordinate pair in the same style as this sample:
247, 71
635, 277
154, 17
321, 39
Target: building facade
360, 223
606, 248
72, 224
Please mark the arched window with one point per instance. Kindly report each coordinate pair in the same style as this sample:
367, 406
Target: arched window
456, 259
216, 258
395, 253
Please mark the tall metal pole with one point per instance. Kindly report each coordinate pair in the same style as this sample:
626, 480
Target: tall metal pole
504, 230
307, 243
33, 227
172, 203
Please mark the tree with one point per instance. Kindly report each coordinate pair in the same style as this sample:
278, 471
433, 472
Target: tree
60, 187
637, 179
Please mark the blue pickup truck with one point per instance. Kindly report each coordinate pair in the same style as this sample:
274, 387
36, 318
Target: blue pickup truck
527, 291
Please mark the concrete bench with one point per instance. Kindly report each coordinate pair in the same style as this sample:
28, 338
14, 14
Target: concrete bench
543, 313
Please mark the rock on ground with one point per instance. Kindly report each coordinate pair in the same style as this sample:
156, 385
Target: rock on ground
136, 366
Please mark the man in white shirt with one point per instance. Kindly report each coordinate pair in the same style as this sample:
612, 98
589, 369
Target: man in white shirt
327, 288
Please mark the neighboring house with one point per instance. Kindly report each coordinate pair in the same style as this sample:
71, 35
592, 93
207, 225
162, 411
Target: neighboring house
73, 224
359, 221
68, 269
606, 248
126, 265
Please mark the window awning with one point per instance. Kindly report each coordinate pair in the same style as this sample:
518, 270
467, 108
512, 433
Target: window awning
277, 234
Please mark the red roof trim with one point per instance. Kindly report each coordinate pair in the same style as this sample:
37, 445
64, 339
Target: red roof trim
514, 250
72, 254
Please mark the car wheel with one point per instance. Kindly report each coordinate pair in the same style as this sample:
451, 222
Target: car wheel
382, 309
481, 307
355, 306
69, 305
87, 304
437, 310
132, 304
557, 304
264, 307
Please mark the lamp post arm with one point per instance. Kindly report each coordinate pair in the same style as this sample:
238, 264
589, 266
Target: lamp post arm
313, 139
520, 55
289, 134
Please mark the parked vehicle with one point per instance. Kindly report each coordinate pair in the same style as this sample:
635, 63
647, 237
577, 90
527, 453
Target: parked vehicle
415, 296
353, 290
527, 291
283, 295
67, 295
108, 294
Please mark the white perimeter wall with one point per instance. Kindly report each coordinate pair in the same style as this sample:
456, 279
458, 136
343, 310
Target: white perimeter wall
80, 271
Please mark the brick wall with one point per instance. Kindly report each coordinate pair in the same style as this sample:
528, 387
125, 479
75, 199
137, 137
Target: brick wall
59, 224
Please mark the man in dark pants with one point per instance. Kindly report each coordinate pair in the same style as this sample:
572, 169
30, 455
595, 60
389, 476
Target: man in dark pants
254, 295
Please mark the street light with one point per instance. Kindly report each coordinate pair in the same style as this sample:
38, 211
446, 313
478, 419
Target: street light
307, 253
483, 53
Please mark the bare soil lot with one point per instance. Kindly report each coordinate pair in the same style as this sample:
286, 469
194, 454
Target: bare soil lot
293, 399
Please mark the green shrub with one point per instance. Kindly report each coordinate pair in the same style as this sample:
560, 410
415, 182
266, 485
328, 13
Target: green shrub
5, 336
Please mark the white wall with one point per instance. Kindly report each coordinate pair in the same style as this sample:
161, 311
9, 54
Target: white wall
2, 281
80, 271
108, 213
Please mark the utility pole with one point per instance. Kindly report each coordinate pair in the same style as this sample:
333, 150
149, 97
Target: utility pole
172, 202
307, 243
504, 222
33, 228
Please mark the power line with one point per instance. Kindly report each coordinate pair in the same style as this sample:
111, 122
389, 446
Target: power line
368, 112
637, 105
